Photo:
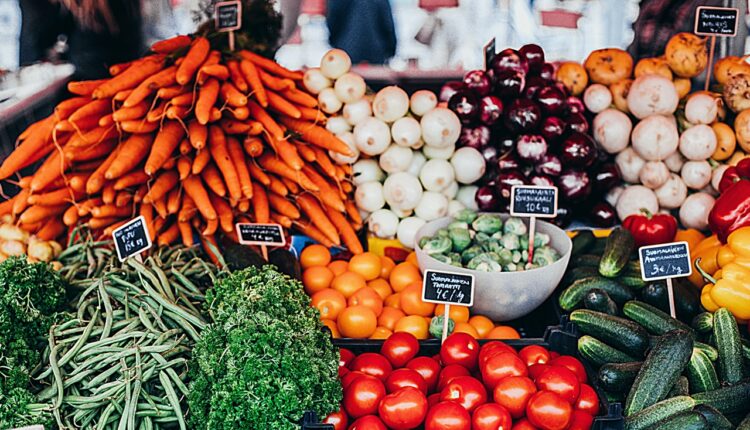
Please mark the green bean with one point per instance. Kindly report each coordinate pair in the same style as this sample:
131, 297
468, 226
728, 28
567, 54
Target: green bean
55, 371
162, 277
147, 423
136, 392
157, 318
81, 341
105, 416
107, 309
172, 396
100, 378
128, 392
171, 373
143, 316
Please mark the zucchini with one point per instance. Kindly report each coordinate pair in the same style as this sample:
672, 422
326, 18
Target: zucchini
572, 297
599, 353
576, 273
703, 322
647, 418
707, 349
728, 400
701, 373
618, 332
582, 242
680, 388
586, 260
618, 377
620, 244
684, 421
716, 420
598, 300
661, 369
652, 319
728, 344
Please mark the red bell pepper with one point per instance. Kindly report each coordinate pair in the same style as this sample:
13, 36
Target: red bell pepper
651, 229
732, 209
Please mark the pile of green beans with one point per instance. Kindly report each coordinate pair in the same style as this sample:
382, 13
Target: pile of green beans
120, 361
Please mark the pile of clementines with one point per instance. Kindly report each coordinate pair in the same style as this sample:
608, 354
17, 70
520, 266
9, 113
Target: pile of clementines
371, 296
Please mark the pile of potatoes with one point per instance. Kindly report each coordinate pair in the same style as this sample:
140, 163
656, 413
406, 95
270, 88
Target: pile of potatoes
15, 241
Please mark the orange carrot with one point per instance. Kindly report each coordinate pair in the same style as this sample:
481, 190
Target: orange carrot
185, 147
163, 184
183, 167
63, 110
52, 168
237, 157
217, 144
157, 112
136, 73
34, 214
173, 201
79, 125
312, 209
84, 88
52, 229
280, 105
348, 235
232, 95
260, 204
7, 206
194, 188
123, 199
202, 157
53, 198
213, 179
70, 217
160, 206
77, 182
215, 114
258, 173
243, 206
187, 210
96, 135
288, 153
169, 236
97, 179
198, 134
250, 73
130, 113
211, 248
218, 71
110, 210
253, 146
133, 151
33, 143
270, 66
311, 114
324, 161
346, 187
313, 233
107, 232
307, 153
277, 186
193, 60
231, 126
159, 223
274, 83
170, 92
327, 194
164, 145
184, 99
282, 220
84, 208
94, 107
177, 112
317, 135
138, 127
242, 113
186, 233
226, 219
20, 202
122, 95
300, 97
131, 179
169, 164
116, 69
280, 168
290, 185
106, 120
100, 223
269, 123
164, 78
236, 75
168, 46
283, 206
207, 96
92, 152
353, 212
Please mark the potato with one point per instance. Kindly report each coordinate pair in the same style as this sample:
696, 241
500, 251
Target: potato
12, 247
686, 55
737, 92
11, 232
573, 76
653, 66
607, 66
727, 67
726, 141
42, 251
742, 129
619, 92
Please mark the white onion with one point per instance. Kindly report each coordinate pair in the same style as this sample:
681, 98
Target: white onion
694, 211
328, 101
655, 138
401, 213
383, 223
613, 195
390, 104
633, 199
440, 127
443, 153
335, 63
629, 163
337, 125
597, 97
454, 207
406, 131
469, 165
407, 230
369, 196
372, 136
698, 142
396, 159
422, 102
417, 145
417, 161
466, 195
702, 108
611, 129
431, 206
674, 162
652, 95
654, 174
356, 112
315, 81
350, 87
451, 190
402, 190
672, 193
348, 139
436, 174
696, 174
366, 170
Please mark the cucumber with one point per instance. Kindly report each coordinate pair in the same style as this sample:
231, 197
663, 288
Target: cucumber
620, 244
745, 424
572, 297
684, 421
661, 369
687, 303
661, 411
652, 319
746, 349
620, 333
599, 353
703, 322
728, 400
728, 344
582, 242
618, 377
716, 420
633, 268
701, 373
598, 300
599, 245
680, 388
707, 349
633, 281
579, 273
586, 260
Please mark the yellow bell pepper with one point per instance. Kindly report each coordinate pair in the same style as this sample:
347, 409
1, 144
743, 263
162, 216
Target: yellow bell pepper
706, 251
729, 286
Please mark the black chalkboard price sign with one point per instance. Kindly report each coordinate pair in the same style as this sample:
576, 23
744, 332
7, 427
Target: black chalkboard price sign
131, 238
448, 288
531, 200
716, 21
260, 234
664, 261
228, 15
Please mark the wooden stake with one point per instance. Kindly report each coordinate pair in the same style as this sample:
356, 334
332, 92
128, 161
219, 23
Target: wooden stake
264, 252
231, 40
445, 322
711, 52
532, 231
670, 293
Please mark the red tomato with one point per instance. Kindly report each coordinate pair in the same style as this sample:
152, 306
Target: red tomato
587, 401
460, 348
363, 396
399, 348
342, 372
433, 400
449, 372
560, 380
501, 365
523, 424
428, 368
491, 416
369, 422
345, 357
548, 411
447, 416
403, 410
467, 391
580, 420
492, 347
554, 354
349, 377
338, 419
536, 369
514, 393
573, 364
372, 364
401, 378
534, 354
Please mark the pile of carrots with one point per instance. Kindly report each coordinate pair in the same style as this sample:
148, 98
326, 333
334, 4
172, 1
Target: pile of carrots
190, 138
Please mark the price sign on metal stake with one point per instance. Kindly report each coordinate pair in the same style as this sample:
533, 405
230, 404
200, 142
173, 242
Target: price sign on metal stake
665, 261
448, 288
535, 202
715, 22
132, 238
228, 18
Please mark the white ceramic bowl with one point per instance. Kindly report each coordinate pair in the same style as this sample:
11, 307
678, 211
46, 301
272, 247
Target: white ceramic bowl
504, 296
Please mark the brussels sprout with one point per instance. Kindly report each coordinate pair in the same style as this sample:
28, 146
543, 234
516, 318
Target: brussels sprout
511, 241
515, 226
466, 215
506, 256
441, 258
493, 256
437, 245
525, 255
455, 259
517, 256
545, 255
530, 266
460, 238
483, 240
436, 326
510, 267
423, 241
540, 239
443, 232
484, 263
470, 253
458, 224
487, 223
498, 235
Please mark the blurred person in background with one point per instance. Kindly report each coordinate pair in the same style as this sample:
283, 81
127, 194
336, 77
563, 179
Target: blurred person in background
363, 28
98, 33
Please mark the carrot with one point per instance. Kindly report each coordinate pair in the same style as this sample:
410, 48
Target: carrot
287, 152
277, 186
258, 173
274, 83
164, 78
217, 144
198, 134
123, 199
173, 201
106, 120
353, 212
250, 73
243, 206
347, 232
170, 92
324, 161
236, 75
164, 145
193, 60
84, 88
70, 217
163, 184
313, 233
202, 157
240, 165
317, 135
232, 95
53, 229
136, 73
34, 214
122, 95
346, 187
207, 96
282, 220
218, 71
311, 114
116, 69
132, 152
312, 209
52, 168
160, 206
213, 179
278, 167
20, 202
283, 206
62, 111
187, 210
107, 232
280, 105
110, 210
84, 208
253, 146
327, 194
6, 207
290, 185
270, 65
96, 135
231, 126
242, 113
185, 147
186, 233
169, 236
101, 223
130, 179
94, 107
269, 123
215, 114
92, 152
97, 179
80, 125
226, 219
138, 127
177, 112
147, 212
307, 153
159, 224
157, 112
340, 173
260, 204
53, 198
129, 113
300, 97
34, 143
77, 182
168, 46
195, 189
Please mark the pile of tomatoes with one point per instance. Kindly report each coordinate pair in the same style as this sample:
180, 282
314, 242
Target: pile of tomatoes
371, 296
464, 387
